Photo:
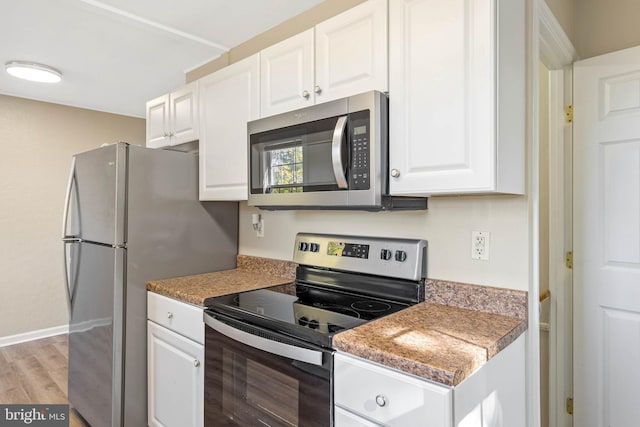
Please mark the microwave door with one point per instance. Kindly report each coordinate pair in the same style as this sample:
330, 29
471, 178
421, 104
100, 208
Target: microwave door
338, 152
301, 159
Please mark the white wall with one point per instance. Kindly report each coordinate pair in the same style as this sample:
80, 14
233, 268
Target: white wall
38, 140
564, 11
596, 27
604, 26
446, 225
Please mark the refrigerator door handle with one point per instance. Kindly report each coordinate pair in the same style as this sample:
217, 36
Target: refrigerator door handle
66, 238
69, 298
67, 199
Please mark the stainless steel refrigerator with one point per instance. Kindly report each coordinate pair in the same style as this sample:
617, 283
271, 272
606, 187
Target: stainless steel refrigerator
131, 215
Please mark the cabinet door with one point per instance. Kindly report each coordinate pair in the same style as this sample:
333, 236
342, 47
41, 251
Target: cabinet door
229, 98
286, 75
351, 52
442, 97
175, 379
158, 122
184, 114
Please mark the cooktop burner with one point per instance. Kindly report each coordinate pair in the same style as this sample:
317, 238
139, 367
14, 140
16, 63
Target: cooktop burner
371, 306
341, 282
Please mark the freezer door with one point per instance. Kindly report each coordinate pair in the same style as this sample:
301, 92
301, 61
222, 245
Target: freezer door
97, 204
95, 333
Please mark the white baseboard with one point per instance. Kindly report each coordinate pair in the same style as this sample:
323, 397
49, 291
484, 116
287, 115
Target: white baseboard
33, 335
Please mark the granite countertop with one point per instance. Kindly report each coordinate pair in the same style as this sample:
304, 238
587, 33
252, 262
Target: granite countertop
251, 273
444, 339
441, 343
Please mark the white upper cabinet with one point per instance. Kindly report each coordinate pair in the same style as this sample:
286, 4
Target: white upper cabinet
158, 122
286, 74
342, 56
456, 96
229, 98
351, 52
172, 119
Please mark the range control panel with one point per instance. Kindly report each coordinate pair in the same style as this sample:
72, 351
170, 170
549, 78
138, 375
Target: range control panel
400, 258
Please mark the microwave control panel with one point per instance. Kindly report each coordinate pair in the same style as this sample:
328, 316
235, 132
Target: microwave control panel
359, 172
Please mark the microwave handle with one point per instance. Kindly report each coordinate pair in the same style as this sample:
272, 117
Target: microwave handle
336, 152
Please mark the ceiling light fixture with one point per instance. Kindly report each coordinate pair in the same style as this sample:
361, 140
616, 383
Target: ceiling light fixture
33, 72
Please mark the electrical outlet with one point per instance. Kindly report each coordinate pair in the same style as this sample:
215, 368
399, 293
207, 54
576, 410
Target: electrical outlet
260, 230
480, 245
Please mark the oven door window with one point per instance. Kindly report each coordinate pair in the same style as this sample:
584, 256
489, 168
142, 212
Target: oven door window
245, 386
296, 159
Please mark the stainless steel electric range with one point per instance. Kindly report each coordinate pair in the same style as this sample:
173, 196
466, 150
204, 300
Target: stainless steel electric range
269, 353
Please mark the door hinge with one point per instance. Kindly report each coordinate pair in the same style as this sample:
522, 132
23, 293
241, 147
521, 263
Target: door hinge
568, 260
568, 113
570, 405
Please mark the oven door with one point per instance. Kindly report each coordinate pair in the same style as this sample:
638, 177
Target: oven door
257, 377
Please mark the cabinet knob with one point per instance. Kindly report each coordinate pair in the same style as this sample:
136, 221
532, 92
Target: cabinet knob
317, 90
381, 400
196, 363
165, 134
395, 173
169, 315
305, 94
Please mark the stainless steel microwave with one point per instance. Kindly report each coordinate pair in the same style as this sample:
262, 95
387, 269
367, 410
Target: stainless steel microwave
328, 156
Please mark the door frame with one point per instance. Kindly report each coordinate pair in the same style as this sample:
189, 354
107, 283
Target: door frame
556, 52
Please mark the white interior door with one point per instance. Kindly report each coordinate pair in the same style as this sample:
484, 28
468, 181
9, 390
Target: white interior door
607, 240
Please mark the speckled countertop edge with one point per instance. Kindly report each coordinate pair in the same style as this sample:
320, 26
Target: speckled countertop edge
251, 273
440, 343
506, 302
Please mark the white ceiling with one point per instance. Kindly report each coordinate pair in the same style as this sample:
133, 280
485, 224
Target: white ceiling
117, 54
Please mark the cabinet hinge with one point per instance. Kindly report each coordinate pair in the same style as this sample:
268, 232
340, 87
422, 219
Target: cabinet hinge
570, 405
568, 113
568, 260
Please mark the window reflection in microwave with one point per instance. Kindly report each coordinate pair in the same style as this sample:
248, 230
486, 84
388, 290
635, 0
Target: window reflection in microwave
286, 169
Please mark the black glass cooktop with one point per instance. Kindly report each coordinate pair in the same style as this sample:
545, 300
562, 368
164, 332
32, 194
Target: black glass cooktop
304, 311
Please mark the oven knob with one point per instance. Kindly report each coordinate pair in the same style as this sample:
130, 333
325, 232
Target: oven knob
304, 246
385, 254
401, 256
314, 247
314, 324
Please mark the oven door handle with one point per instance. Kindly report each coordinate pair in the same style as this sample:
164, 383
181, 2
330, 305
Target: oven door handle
300, 354
336, 153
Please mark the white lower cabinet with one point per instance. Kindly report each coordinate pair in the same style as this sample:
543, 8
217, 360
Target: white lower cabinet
344, 418
387, 397
367, 394
175, 364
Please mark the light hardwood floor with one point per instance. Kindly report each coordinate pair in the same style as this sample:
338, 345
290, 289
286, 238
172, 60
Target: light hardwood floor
36, 372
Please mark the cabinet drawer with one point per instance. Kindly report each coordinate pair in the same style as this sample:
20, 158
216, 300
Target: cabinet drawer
344, 418
180, 317
389, 397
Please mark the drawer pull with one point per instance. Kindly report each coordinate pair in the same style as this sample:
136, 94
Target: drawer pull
169, 315
196, 363
381, 400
